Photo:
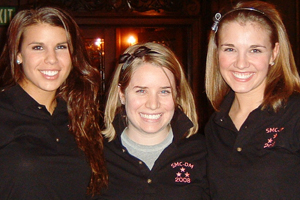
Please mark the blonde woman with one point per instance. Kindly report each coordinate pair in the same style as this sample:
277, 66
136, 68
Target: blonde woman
253, 84
153, 151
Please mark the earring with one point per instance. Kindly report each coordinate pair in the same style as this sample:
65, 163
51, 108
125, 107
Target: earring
18, 62
272, 63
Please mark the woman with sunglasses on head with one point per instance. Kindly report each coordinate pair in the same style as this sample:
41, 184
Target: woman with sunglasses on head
253, 138
153, 151
50, 146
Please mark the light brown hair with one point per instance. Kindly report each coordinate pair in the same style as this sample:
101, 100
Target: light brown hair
163, 57
282, 78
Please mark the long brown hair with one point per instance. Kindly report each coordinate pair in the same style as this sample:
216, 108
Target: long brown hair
80, 90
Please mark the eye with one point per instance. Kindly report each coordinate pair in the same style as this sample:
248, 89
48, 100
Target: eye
141, 91
37, 47
62, 47
228, 49
256, 51
166, 91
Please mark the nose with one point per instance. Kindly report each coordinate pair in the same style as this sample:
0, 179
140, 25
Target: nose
153, 101
242, 61
51, 57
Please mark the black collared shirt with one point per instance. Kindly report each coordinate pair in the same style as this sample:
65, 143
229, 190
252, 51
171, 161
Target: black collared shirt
39, 158
179, 173
261, 160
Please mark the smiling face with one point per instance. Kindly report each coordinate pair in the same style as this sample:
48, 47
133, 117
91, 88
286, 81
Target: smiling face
245, 54
45, 58
149, 103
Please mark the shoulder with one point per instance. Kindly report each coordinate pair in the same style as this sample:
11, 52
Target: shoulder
195, 143
112, 147
5, 101
294, 98
293, 103
215, 116
198, 138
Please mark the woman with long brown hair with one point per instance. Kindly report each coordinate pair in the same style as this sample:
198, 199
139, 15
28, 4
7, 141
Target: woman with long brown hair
50, 147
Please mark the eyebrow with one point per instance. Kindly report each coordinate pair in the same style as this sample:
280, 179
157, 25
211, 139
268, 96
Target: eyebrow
252, 46
166, 87
255, 46
40, 43
31, 43
143, 87
230, 45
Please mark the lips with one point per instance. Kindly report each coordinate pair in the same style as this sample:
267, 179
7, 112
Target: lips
49, 73
147, 116
245, 75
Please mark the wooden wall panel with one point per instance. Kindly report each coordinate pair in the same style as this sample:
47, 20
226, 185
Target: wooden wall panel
197, 21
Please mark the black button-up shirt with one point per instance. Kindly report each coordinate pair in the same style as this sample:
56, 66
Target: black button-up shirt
261, 160
179, 173
39, 158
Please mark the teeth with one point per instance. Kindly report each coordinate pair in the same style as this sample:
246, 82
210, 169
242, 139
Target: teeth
150, 116
50, 73
242, 75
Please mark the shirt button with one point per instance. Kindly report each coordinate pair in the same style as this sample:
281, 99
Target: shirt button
239, 149
221, 120
123, 150
57, 139
140, 162
40, 107
246, 127
149, 181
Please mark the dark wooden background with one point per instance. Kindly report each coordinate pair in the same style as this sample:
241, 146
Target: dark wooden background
181, 24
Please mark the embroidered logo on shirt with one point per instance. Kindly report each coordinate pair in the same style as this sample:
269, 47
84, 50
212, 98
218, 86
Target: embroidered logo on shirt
271, 141
183, 174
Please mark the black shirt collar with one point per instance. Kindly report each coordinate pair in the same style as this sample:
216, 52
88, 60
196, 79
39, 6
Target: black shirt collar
22, 101
180, 124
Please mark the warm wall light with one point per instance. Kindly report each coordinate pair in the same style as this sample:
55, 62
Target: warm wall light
98, 42
131, 40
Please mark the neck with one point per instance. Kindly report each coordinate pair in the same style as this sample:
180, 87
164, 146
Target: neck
246, 102
242, 105
52, 106
144, 138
